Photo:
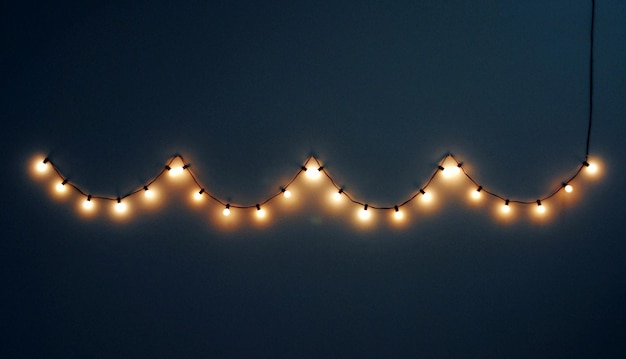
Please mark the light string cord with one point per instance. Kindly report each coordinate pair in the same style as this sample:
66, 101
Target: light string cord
341, 189
591, 36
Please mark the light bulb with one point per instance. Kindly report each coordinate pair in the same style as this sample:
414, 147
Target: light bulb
175, 171
286, 193
540, 208
364, 214
226, 210
397, 213
312, 172
505, 207
259, 211
198, 195
426, 196
449, 171
337, 195
88, 204
42, 166
120, 207
568, 188
476, 194
61, 186
148, 192
592, 168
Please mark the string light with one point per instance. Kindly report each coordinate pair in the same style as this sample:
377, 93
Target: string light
88, 204
505, 207
476, 193
397, 212
259, 211
42, 166
540, 208
591, 167
198, 195
450, 171
364, 213
120, 207
286, 192
148, 192
61, 186
311, 172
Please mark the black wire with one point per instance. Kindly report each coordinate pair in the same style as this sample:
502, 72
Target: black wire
593, 11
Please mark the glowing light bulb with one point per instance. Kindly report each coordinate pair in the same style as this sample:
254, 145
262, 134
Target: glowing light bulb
449, 171
286, 193
226, 210
399, 215
364, 214
88, 204
148, 192
337, 195
540, 208
476, 194
61, 186
505, 207
42, 166
568, 188
426, 196
312, 172
591, 167
259, 211
198, 195
120, 207
175, 171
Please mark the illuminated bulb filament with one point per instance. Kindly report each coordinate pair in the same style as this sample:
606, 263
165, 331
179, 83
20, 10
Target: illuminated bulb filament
259, 211
120, 207
313, 173
61, 186
175, 171
286, 193
364, 214
88, 204
540, 208
42, 166
505, 207
397, 213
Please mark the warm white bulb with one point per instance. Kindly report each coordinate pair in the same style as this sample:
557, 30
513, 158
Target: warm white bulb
450, 171
87, 204
364, 214
541, 209
398, 215
41, 167
260, 213
149, 193
475, 195
337, 196
120, 207
287, 193
60, 187
197, 196
427, 197
568, 188
312, 172
592, 168
226, 211
175, 171
506, 208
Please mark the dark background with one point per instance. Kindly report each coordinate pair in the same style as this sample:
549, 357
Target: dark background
246, 92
